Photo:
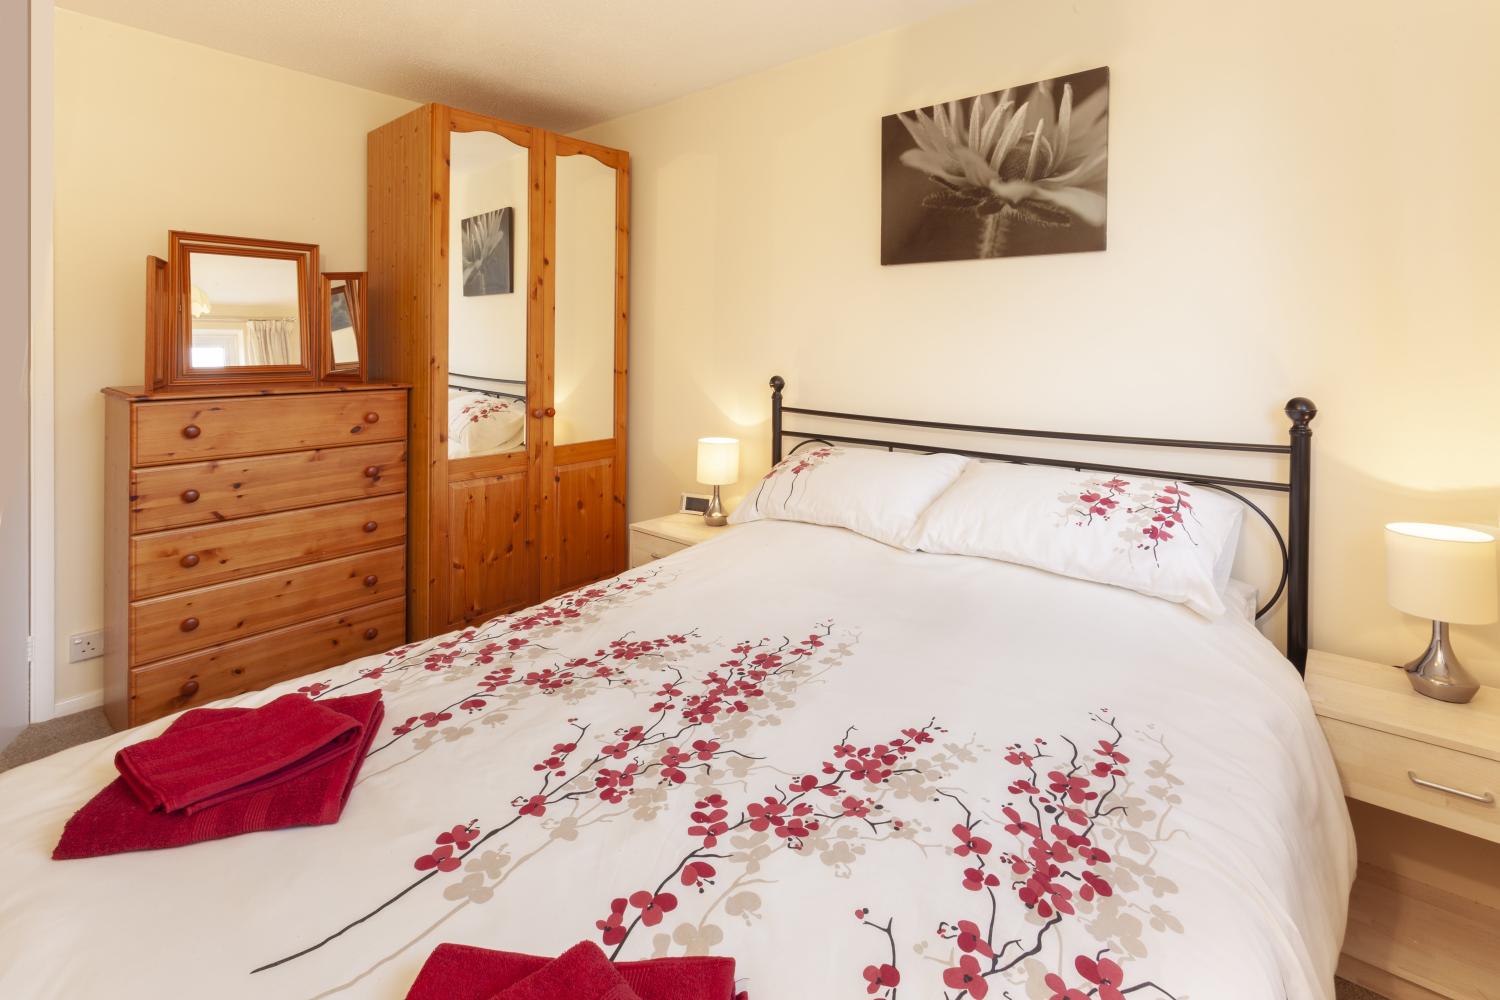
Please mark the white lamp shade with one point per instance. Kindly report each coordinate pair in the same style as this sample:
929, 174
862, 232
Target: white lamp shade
718, 461
1441, 572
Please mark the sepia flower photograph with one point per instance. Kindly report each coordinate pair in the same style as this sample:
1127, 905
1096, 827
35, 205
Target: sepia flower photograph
1010, 173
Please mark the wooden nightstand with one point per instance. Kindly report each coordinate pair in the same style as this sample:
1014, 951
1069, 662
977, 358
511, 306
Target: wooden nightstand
1423, 921
661, 536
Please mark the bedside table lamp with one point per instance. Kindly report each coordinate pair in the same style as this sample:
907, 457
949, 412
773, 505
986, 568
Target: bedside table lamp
1447, 574
718, 465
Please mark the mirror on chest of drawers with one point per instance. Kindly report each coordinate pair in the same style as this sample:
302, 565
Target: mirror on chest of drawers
235, 311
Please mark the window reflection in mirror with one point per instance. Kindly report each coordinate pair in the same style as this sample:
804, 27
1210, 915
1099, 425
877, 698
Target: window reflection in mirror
244, 311
488, 205
341, 324
584, 391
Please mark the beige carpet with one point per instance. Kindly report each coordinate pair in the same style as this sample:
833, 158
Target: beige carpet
47, 738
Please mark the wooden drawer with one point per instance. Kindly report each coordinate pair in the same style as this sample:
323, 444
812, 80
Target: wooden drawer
173, 496
646, 548
1381, 768
168, 561
196, 619
195, 429
236, 667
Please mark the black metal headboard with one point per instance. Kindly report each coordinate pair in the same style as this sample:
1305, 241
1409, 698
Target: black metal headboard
1293, 544
485, 390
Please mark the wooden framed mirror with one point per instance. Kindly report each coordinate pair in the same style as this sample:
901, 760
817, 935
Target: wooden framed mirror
237, 311
345, 326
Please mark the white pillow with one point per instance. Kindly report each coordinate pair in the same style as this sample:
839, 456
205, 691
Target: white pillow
479, 424
876, 493
1165, 539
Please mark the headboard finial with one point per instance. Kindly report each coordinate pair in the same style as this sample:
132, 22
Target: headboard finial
1301, 411
777, 384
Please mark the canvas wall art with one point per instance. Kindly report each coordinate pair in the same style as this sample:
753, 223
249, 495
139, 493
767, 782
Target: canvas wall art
487, 252
1006, 174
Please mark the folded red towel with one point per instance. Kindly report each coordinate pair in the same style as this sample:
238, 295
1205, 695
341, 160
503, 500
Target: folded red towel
115, 821
461, 972
582, 972
198, 767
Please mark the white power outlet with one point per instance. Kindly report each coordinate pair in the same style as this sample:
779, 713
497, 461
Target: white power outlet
85, 646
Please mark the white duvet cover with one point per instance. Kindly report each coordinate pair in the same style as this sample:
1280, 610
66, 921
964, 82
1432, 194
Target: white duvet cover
857, 770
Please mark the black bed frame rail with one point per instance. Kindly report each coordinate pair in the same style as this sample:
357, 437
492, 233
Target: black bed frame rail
496, 393
1294, 544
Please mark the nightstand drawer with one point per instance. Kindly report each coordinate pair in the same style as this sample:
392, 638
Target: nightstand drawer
1398, 773
646, 548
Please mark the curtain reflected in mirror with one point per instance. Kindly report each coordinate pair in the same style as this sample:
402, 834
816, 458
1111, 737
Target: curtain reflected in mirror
584, 390
488, 218
345, 303
245, 311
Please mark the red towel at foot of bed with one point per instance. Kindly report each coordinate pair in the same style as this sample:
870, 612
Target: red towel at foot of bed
460, 972
115, 821
191, 768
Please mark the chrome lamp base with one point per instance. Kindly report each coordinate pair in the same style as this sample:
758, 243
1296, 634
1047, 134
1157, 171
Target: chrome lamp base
1437, 672
715, 517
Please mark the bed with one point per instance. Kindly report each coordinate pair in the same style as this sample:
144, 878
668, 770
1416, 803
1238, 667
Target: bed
858, 770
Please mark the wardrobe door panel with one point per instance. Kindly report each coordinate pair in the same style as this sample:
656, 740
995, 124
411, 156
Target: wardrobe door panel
586, 532
585, 290
490, 538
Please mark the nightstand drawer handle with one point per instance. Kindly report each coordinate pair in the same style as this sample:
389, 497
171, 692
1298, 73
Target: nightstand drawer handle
1487, 798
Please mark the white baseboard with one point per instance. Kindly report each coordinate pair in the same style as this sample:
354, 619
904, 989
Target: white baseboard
79, 703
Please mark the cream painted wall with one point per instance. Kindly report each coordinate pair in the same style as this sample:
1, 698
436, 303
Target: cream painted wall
278, 154
1303, 200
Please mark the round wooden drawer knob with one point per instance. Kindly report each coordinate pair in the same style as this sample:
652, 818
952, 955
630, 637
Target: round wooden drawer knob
372, 471
550, 412
371, 580
372, 417
371, 632
191, 431
538, 413
189, 561
188, 689
189, 496
189, 624
370, 526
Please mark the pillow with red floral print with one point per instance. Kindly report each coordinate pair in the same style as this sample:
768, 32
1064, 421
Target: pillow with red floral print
1165, 539
876, 493
479, 424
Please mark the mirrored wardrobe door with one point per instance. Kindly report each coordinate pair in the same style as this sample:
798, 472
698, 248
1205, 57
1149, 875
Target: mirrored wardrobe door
490, 432
583, 478
489, 222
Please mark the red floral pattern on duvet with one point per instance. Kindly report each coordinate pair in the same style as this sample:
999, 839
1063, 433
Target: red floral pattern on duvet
1155, 512
1043, 864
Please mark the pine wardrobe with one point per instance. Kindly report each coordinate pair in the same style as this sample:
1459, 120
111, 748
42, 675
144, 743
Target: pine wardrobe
497, 261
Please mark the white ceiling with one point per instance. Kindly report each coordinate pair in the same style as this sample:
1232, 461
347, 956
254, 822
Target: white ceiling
560, 64
227, 280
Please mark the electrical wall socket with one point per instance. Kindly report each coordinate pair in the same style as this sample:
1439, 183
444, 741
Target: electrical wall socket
85, 646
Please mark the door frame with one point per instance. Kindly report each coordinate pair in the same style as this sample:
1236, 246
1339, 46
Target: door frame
43, 529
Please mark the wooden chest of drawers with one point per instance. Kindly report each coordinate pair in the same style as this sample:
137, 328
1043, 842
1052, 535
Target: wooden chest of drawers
250, 537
